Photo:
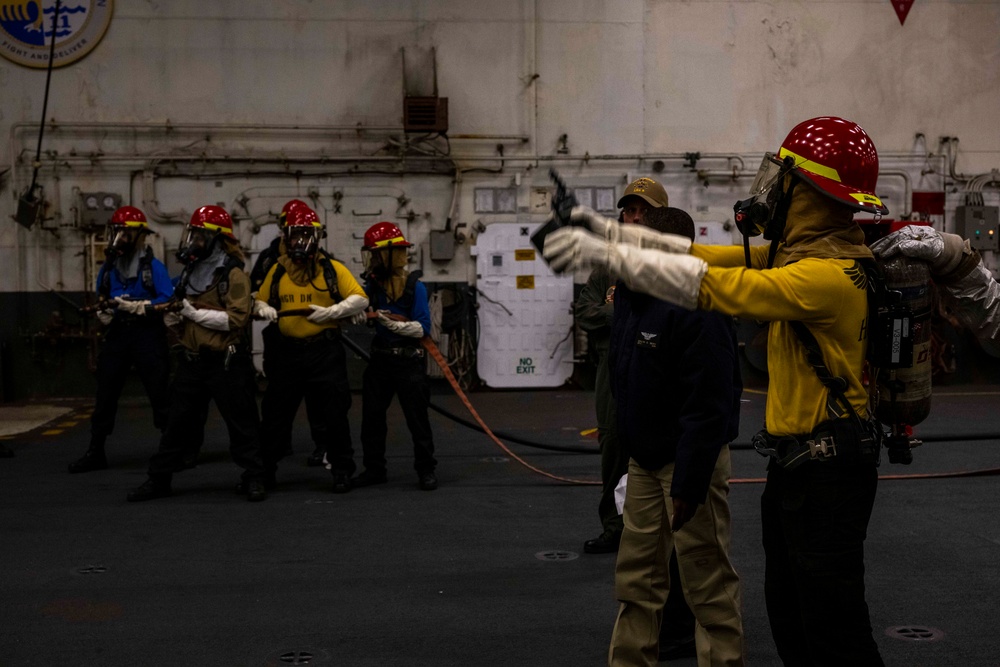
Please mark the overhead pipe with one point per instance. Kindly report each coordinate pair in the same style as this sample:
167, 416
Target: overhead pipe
151, 205
907, 189
321, 159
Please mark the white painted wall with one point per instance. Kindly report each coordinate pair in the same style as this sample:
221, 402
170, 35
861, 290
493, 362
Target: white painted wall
628, 82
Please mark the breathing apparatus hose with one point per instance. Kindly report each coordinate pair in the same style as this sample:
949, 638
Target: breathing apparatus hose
432, 349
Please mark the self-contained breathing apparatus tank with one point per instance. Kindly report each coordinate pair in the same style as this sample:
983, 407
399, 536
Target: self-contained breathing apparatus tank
901, 356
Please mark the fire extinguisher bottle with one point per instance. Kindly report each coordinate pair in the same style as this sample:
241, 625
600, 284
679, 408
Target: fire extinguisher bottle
905, 395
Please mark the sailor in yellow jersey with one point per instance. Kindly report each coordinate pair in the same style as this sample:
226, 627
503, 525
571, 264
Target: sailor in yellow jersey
811, 284
306, 359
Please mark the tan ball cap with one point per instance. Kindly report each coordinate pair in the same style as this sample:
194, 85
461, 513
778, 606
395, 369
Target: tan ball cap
648, 189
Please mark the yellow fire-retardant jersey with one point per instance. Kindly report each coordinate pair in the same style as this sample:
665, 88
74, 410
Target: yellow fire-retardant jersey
828, 295
314, 293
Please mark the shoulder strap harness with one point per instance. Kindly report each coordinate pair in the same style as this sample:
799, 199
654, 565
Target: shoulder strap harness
329, 276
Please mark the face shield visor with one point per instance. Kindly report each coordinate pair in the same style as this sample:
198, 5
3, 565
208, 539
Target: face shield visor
196, 244
378, 261
754, 213
122, 240
301, 243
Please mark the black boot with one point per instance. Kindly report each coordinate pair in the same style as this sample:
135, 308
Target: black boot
151, 489
342, 482
316, 458
428, 481
269, 482
255, 490
93, 459
605, 543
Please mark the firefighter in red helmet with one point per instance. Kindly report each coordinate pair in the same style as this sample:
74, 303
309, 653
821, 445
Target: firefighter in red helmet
265, 261
212, 326
130, 280
820, 436
397, 365
267, 257
304, 357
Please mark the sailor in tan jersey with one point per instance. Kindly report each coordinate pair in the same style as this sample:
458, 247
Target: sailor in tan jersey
213, 329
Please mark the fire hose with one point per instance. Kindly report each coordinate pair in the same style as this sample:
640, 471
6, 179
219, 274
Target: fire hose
439, 359
432, 349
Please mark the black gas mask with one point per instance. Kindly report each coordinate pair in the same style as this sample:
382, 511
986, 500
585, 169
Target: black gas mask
122, 241
301, 243
765, 210
196, 245
379, 263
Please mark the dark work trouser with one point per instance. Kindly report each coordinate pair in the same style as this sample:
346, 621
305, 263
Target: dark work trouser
198, 380
405, 377
138, 341
614, 459
314, 406
316, 372
815, 520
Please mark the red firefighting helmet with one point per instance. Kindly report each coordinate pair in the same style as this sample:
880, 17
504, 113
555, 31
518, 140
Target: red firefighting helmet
384, 235
302, 216
212, 218
838, 158
129, 216
290, 206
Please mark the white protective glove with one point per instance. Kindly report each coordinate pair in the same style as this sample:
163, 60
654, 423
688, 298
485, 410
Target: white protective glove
132, 307
410, 329
172, 319
206, 317
359, 318
105, 317
942, 251
346, 308
639, 236
262, 310
671, 277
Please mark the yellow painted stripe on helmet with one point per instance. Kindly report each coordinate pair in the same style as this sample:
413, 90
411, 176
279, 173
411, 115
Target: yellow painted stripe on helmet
385, 242
810, 166
217, 228
136, 223
867, 199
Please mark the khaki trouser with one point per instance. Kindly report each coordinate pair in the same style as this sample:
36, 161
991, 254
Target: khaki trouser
642, 576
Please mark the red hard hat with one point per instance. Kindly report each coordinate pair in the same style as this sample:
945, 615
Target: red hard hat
213, 218
302, 216
129, 216
291, 205
384, 235
838, 158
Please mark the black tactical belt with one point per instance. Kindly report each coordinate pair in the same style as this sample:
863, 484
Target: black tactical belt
829, 439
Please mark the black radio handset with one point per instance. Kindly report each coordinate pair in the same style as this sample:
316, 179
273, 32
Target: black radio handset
563, 202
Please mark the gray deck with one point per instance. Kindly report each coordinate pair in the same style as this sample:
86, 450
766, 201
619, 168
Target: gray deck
392, 575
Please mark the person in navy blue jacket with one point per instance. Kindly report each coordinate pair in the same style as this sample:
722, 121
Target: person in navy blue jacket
129, 282
397, 365
676, 382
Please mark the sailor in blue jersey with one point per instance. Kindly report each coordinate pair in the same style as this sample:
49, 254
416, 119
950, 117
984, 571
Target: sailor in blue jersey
128, 283
397, 365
